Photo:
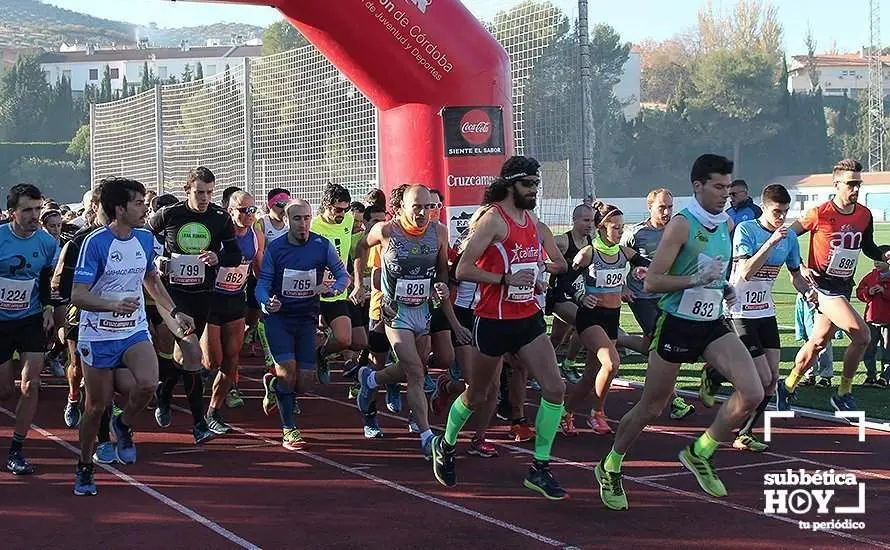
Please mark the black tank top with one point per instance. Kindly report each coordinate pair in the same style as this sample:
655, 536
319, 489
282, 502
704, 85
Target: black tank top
563, 282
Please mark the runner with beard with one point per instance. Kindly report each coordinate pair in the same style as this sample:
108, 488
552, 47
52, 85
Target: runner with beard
504, 254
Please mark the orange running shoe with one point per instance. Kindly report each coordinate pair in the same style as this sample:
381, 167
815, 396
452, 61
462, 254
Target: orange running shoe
597, 422
567, 425
520, 431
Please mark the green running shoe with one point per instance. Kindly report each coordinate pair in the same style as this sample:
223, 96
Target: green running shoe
748, 442
680, 408
706, 390
611, 488
703, 471
270, 399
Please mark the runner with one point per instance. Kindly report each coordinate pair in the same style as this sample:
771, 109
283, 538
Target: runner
26, 312
838, 229
288, 288
644, 238
760, 247
414, 253
222, 341
198, 237
112, 266
334, 223
504, 255
689, 267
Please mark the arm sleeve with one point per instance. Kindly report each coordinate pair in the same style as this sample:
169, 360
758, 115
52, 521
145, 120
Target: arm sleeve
87, 263
156, 222
338, 270
793, 260
43, 285
869, 248
639, 261
265, 280
230, 256
628, 238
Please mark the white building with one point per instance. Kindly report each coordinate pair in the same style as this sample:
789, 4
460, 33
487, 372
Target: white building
839, 74
812, 190
86, 65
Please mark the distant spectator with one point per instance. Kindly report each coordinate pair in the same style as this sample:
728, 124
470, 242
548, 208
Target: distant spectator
804, 316
742, 206
874, 291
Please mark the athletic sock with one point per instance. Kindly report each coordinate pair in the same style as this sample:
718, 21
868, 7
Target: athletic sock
17, 441
612, 462
194, 391
457, 417
425, 436
546, 423
846, 386
705, 446
372, 381
105, 426
792, 380
285, 405
261, 333
754, 417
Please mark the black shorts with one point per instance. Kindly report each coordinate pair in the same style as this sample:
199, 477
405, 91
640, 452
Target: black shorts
72, 323
556, 296
466, 318
333, 310
496, 337
154, 316
758, 334
225, 308
378, 342
21, 335
251, 292
360, 315
679, 340
194, 304
607, 318
438, 321
645, 311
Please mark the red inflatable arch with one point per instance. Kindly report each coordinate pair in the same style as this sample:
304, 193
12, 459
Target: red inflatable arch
441, 83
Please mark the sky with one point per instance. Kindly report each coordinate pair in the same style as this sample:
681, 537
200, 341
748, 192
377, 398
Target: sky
635, 20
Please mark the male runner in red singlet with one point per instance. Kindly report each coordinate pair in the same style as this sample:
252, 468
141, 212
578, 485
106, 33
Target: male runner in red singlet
839, 229
505, 255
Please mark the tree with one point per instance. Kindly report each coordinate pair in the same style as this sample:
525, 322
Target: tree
199, 71
187, 73
148, 79
752, 25
281, 36
80, 143
105, 94
663, 66
24, 96
812, 70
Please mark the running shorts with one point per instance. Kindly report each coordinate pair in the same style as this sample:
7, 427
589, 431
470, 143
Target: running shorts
109, 354
225, 308
358, 314
645, 311
758, 334
334, 310
402, 317
496, 337
292, 340
684, 341
606, 318
194, 304
21, 335
466, 318
438, 321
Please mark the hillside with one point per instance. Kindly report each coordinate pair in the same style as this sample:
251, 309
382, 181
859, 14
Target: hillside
33, 24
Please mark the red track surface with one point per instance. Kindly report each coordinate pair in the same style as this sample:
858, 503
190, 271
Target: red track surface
245, 490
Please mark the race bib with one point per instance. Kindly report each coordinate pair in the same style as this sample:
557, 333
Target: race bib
328, 278
756, 296
578, 287
186, 269
843, 262
522, 293
232, 279
15, 295
701, 303
110, 321
297, 283
412, 291
608, 278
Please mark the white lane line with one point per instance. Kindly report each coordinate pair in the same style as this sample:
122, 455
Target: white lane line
722, 469
164, 499
679, 492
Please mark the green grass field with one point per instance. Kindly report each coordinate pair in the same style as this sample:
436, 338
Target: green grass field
875, 401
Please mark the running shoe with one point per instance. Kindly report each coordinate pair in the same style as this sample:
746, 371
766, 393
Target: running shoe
429, 385
216, 424
162, 413
56, 367
393, 398
569, 373
704, 472
202, 433
882, 382
707, 389
233, 399
825, 382
84, 480
680, 408
541, 480
533, 385
843, 402
747, 442
598, 423
870, 382
322, 370
270, 398
567, 425
350, 369
441, 398
504, 410
521, 431
366, 394
611, 488
372, 429
124, 448
784, 396
412, 423
292, 439
353, 390
72, 414
482, 448
426, 449
17, 464
104, 453
443, 461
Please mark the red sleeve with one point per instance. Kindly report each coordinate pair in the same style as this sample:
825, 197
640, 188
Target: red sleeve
862, 289
810, 219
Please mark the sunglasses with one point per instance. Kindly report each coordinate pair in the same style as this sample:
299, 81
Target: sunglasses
247, 210
280, 204
339, 210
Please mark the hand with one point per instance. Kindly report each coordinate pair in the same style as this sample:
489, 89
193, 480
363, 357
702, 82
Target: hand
186, 324
872, 290
462, 334
639, 273
48, 321
777, 236
710, 272
358, 295
540, 288
627, 295
589, 301
812, 297
442, 292
526, 277
324, 289
808, 275
209, 258
125, 306
273, 305
729, 295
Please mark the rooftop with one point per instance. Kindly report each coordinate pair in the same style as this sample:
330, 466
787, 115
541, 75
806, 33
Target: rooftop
149, 54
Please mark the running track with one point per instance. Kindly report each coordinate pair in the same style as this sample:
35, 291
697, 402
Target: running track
246, 491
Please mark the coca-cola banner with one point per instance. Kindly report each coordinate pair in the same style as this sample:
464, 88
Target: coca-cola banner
473, 131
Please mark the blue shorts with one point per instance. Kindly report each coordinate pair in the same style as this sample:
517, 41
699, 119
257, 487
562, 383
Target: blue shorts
109, 354
292, 339
403, 317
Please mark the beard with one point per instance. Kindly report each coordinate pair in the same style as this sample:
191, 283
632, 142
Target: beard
523, 203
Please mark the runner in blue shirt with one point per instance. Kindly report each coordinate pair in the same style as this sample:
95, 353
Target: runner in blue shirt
288, 291
26, 313
114, 263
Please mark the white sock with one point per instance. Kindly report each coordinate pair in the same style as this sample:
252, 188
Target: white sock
425, 436
372, 381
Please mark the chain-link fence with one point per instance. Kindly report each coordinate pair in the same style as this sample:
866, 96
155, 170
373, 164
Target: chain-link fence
292, 120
